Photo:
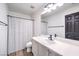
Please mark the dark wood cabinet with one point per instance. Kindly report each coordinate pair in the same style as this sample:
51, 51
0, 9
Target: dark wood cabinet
72, 26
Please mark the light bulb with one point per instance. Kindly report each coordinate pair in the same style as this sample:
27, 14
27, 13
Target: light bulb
60, 4
45, 8
54, 7
50, 5
49, 10
44, 12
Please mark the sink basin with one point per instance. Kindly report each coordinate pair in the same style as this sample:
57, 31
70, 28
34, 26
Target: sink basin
47, 41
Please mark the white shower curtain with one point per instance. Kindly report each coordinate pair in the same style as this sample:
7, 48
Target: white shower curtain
20, 32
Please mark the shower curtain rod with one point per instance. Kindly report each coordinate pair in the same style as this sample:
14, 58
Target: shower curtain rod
44, 21
2, 23
20, 17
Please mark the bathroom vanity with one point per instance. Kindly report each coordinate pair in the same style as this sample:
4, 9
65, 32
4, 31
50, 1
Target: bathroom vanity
42, 46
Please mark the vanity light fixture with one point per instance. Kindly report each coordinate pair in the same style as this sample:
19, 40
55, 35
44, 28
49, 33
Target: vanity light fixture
46, 10
51, 6
60, 4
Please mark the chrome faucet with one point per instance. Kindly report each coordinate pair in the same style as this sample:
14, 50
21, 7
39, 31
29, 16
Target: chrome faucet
50, 37
55, 35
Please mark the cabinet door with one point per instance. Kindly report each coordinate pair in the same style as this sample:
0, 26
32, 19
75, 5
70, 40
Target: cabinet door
43, 51
69, 26
72, 26
35, 48
76, 26
53, 53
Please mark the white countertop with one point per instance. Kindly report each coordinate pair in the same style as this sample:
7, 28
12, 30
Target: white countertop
63, 48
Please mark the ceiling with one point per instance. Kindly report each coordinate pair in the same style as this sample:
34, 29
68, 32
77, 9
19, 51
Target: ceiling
25, 8
30, 8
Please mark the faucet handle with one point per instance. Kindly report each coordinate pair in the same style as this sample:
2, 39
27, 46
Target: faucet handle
55, 35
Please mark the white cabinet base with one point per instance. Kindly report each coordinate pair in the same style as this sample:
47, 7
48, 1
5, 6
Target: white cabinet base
43, 51
40, 50
34, 48
53, 53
